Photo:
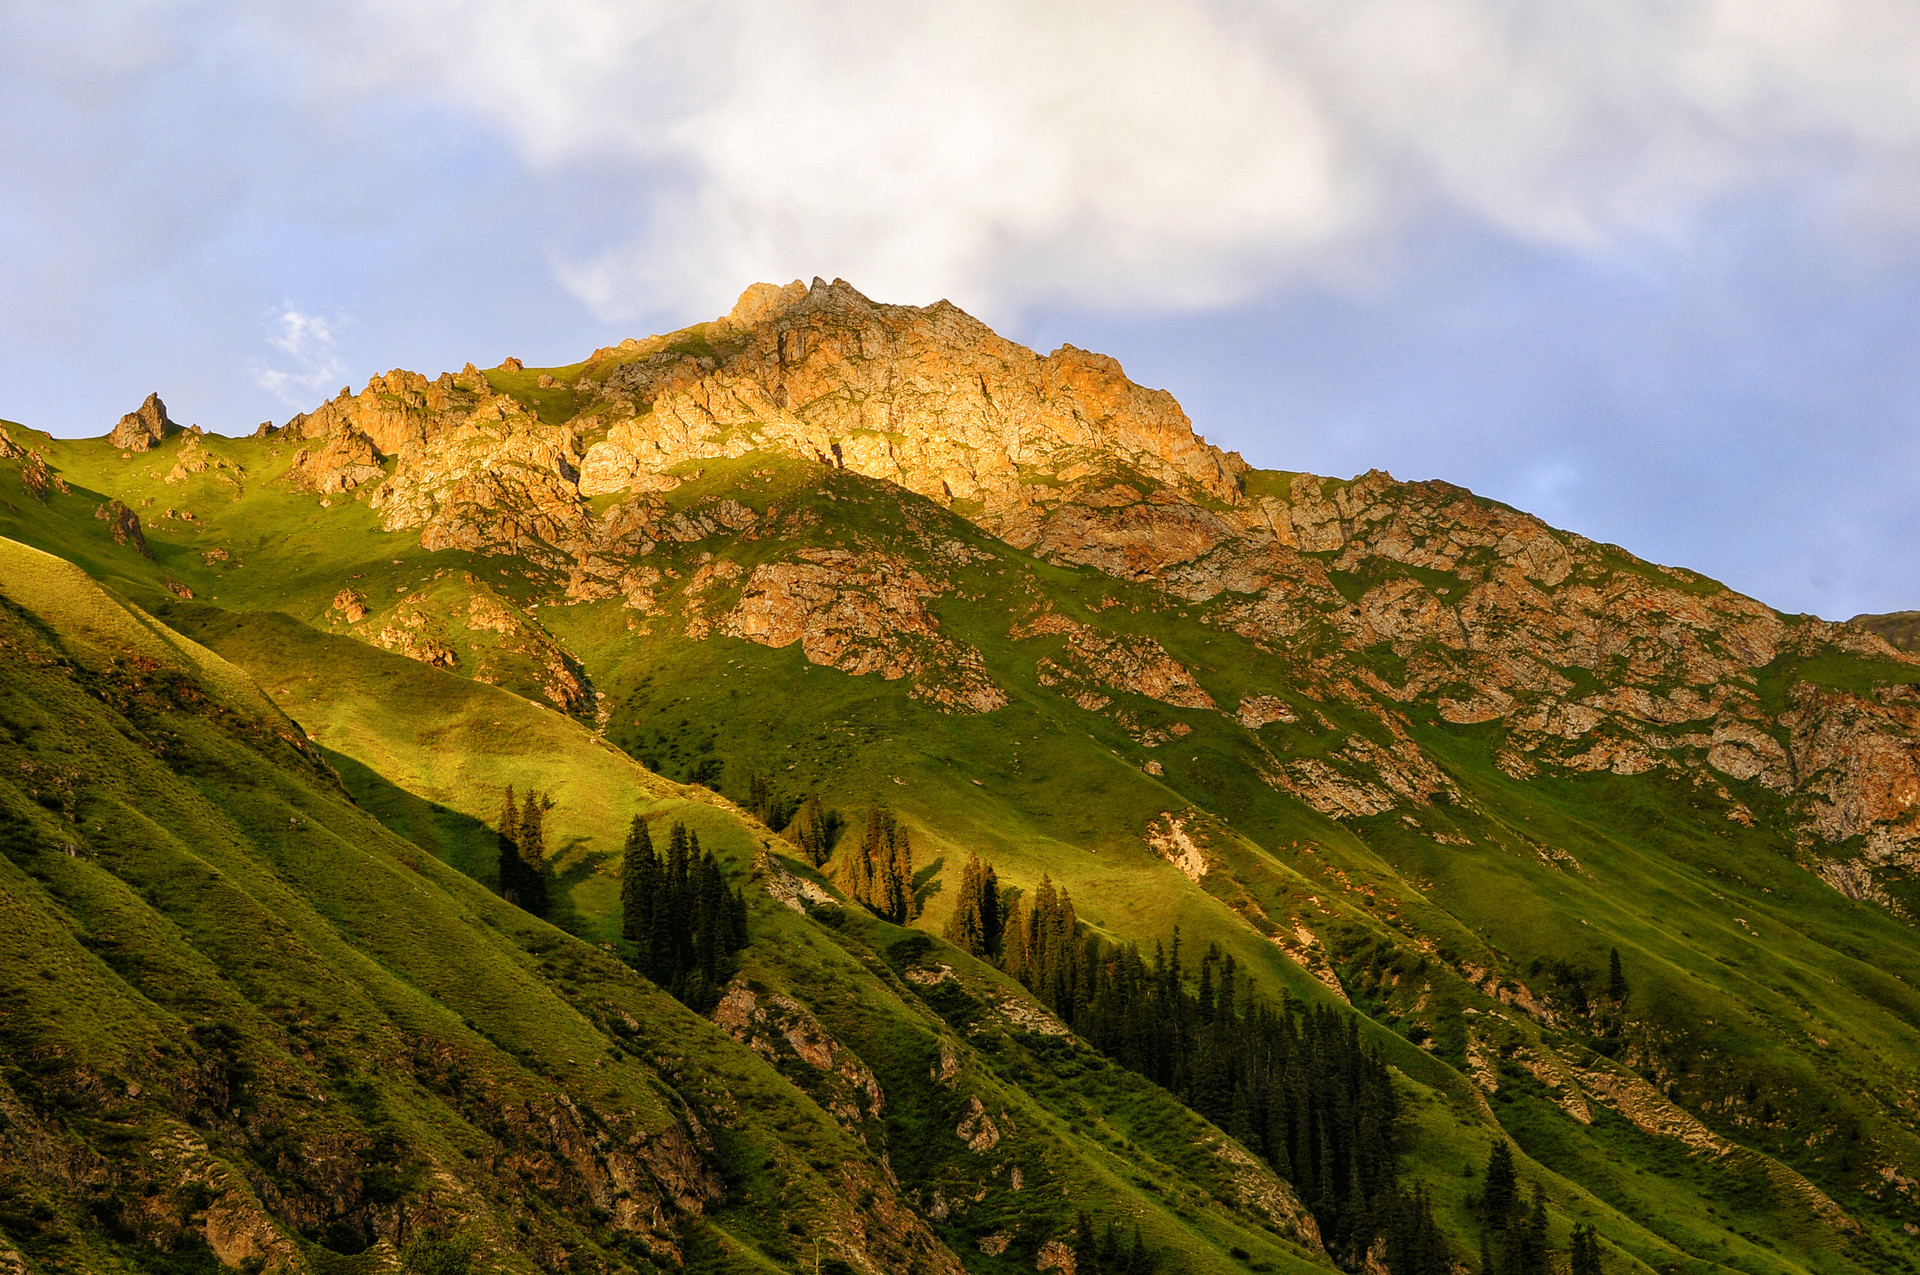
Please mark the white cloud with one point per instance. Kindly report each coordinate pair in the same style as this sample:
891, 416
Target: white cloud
1175, 153
308, 342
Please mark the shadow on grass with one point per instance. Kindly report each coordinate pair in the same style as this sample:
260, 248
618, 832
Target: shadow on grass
928, 881
458, 840
568, 866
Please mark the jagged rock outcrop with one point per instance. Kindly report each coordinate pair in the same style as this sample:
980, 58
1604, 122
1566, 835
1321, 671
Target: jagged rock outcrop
783, 1031
36, 475
124, 525
1096, 661
861, 613
342, 462
141, 428
929, 398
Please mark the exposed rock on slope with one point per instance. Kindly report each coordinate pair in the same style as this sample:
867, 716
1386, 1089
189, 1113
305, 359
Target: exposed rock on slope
862, 614
1418, 600
124, 524
1900, 628
928, 398
141, 428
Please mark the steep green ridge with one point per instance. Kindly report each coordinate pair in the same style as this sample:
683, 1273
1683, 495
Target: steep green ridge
1288, 765
299, 1035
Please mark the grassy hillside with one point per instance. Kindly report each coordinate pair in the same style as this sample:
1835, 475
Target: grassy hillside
304, 1036
1749, 1104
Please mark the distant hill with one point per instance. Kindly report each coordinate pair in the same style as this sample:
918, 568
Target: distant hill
1899, 628
1598, 858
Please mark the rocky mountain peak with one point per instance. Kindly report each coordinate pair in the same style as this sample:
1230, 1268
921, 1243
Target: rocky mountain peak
926, 397
141, 428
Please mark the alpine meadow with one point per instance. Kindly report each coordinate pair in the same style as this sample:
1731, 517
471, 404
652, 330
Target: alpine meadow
831, 789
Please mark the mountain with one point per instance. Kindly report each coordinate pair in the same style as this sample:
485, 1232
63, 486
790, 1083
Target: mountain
1900, 628
1600, 859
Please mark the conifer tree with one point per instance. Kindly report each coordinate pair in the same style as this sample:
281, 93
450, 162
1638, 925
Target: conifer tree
902, 905
1013, 943
639, 873
992, 909
1586, 1251
878, 873
1414, 1245
965, 929
692, 924
1616, 978
1502, 1192
1086, 1250
1535, 1252
813, 830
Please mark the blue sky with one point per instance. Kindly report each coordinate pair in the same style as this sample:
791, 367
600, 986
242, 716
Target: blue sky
1647, 268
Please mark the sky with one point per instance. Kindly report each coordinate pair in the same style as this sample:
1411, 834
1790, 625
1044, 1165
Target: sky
1647, 268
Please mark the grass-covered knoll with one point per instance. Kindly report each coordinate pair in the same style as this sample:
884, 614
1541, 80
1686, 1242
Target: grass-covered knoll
431, 753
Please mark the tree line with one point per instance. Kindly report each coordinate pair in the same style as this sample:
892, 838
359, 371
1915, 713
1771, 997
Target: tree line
877, 872
685, 924
1293, 1084
1513, 1236
1110, 1253
522, 847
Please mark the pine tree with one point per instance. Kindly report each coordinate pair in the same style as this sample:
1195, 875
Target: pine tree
886, 882
1502, 1192
1586, 1251
902, 906
858, 876
692, 924
759, 804
993, 909
879, 872
1616, 979
813, 830
1086, 1250
1013, 942
639, 872
1536, 1251
965, 927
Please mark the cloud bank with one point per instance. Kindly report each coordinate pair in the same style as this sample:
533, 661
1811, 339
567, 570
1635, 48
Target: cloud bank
1180, 153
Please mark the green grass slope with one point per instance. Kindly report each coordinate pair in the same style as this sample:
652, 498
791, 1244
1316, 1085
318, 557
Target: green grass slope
306, 1042
1751, 1105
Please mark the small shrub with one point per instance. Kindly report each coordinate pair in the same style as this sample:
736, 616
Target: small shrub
440, 1254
